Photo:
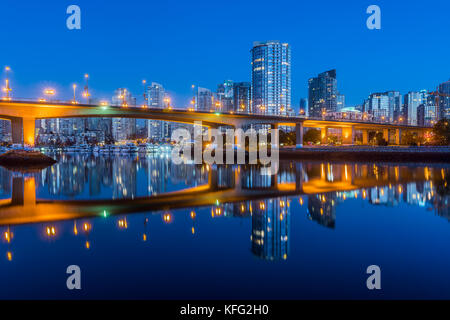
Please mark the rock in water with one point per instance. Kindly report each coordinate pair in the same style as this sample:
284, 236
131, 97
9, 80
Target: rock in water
22, 159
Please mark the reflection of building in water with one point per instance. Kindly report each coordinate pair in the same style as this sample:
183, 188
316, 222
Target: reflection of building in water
65, 178
225, 176
270, 228
322, 208
442, 206
158, 175
418, 192
386, 195
124, 178
251, 177
188, 175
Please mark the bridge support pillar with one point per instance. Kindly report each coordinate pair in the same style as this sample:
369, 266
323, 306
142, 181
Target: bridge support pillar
29, 127
299, 135
348, 135
16, 130
365, 137
236, 139
298, 176
208, 134
23, 130
212, 179
324, 135
398, 136
274, 144
386, 135
23, 191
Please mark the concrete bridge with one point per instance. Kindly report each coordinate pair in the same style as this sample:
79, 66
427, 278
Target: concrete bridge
23, 115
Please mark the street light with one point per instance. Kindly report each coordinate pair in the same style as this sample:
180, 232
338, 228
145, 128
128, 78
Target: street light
49, 92
86, 88
167, 102
144, 82
7, 88
74, 86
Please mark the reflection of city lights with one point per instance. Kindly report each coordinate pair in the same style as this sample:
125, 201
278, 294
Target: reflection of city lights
144, 237
193, 214
9, 256
88, 245
123, 224
262, 206
8, 236
87, 227
300, 201
51, 231
167, 218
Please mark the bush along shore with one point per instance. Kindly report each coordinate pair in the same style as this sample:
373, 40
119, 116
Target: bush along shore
25, 159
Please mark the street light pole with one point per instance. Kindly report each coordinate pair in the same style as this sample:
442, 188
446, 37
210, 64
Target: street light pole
86, 88
74, 86
144, 82
7, 88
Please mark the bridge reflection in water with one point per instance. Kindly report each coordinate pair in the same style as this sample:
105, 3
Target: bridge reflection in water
230, 191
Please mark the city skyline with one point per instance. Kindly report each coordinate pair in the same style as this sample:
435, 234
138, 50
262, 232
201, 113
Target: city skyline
385, 68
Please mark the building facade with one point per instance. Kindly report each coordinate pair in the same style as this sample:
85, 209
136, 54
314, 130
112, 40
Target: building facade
411, 102
271, 77
123, 128
205, 99
322, 94
242, 97
157, 130
444, 101
225, 96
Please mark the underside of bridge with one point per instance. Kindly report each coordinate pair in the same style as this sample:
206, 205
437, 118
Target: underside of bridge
23, 116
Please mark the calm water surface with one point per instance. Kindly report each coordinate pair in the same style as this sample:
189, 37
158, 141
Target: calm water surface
142, 227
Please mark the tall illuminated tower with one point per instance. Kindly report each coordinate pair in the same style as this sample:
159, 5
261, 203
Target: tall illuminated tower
271, 77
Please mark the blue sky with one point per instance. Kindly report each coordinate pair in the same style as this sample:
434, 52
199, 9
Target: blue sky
203, 42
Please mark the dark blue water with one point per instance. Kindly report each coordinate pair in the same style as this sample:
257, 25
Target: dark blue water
308, 233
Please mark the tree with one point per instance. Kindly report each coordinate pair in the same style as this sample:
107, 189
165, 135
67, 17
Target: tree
287, 138
380, 139
312, 135
410, 138
334, 140
441, 132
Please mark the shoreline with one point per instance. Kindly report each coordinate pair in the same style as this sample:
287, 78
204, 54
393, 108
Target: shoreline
364, 153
